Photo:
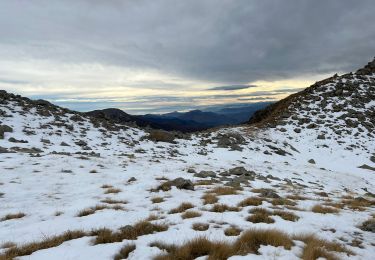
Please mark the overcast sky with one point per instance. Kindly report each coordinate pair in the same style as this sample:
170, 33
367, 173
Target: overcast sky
156, 55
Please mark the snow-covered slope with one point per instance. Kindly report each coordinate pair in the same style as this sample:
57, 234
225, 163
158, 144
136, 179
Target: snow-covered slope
64, 171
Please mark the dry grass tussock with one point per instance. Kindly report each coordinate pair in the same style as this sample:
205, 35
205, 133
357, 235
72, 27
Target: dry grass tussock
232, 231
209, 198
48, 242
13, 216
223, 207
183, 207
262, 215
113, 201
191, 214
316, 248
225, 190
141, 228
200, 226
323, 209
124, 252
252, 201
112, 190
249, 242
157, 200
92, 210
103, 236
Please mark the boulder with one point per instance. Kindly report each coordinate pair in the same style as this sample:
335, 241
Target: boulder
205, 174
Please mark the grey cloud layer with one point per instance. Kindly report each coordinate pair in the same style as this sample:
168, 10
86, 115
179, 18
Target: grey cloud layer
228, 42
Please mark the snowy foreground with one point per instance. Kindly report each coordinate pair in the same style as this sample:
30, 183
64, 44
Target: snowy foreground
53, 186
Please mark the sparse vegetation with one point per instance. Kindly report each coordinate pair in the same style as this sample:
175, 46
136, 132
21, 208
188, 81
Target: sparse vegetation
157, 200
369, 225
141, 228
289, 216
191, 214
112, 190
200, 226
13, 216
183, 207
316, 248
124, 252
260, 217
249, 242
283, 201
252, 201
92, 210
223, 208
225, 190
48, 242
324, 210
113, 201
209, 198
232, 231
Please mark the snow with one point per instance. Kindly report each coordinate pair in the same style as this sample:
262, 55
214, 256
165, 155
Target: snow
41, 186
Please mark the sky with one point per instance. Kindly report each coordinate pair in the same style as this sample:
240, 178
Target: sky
164, 55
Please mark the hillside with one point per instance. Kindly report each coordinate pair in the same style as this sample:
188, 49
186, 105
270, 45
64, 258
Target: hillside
297, 183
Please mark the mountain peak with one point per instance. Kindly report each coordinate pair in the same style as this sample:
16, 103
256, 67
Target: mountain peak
368, 69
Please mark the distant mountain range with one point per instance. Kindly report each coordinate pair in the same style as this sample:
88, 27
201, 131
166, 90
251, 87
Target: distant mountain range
190, 121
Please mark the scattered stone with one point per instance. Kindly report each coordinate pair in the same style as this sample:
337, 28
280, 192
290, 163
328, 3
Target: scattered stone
179, 183
81, 143
268, 193
205, 174
312, 161
367, 167
132, 179
5, 129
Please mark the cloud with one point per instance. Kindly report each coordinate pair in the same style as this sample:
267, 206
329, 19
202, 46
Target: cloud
177, 46
233, 87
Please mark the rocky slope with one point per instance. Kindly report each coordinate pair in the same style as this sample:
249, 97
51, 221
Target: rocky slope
77, 187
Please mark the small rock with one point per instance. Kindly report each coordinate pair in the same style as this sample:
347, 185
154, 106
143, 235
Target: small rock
312, 161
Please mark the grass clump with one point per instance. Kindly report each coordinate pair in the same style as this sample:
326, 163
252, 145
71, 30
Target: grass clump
48, 242
223, 207
183, 207
289, 216
209, 198
124, 252
261, 215
92, 210
200, 226
249, 242
232, 231
13, 216
141, 228
324, 210
157, 200
260, 218
368, 225
358, 203
112, 201
225, 190
252, 201
112, 190
191, 214
316, 248
283, 201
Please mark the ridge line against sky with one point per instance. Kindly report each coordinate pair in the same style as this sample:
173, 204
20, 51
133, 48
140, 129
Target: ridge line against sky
163, 55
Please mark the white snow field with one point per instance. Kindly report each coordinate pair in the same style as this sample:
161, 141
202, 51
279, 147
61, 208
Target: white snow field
63, 173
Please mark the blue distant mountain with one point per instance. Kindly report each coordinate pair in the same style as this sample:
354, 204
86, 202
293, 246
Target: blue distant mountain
194, 120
